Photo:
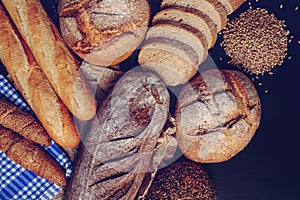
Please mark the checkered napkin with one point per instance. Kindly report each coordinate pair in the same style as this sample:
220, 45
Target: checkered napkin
15, 181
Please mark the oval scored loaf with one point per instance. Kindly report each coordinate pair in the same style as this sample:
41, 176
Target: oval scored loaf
117, 151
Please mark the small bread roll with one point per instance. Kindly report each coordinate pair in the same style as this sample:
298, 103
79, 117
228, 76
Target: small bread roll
106, 32
217, 113
182, 180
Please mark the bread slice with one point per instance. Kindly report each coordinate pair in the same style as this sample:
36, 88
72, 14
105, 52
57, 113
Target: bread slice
177, 47
231, 5
212, 8
184, 34
191, 17
168, 62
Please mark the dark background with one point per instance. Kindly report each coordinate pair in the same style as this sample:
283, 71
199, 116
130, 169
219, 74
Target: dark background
268, 168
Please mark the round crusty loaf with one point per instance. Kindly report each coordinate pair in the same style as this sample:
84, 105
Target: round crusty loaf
218, 113
106, 32
182, 180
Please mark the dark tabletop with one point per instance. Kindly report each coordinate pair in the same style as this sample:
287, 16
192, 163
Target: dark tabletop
267, 169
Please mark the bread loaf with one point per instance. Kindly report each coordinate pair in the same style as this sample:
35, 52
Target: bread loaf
191, 17
182, 180
104, 32
31, 157
226, 113
34, 86
13, 118
211, 8
53, 56
173, 51
173, 60
117, 152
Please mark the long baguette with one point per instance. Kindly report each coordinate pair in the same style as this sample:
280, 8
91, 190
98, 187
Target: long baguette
33, 85
13, 118
53, 56
31, 157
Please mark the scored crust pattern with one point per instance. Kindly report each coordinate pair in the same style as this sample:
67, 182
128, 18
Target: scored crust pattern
226, 113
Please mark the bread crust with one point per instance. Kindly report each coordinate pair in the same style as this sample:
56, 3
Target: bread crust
34, 86
182, 180
31, 157
221, 14
190, 11
231, 5
118, 149
54, 58
226, 114
97, 31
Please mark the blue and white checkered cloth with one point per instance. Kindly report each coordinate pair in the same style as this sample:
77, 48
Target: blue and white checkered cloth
17, 182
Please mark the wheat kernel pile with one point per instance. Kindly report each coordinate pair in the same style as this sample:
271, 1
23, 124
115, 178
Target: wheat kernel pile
256, 41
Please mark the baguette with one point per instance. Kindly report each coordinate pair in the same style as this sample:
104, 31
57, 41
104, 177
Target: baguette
33, 85
13, 118
53, 56
25, 153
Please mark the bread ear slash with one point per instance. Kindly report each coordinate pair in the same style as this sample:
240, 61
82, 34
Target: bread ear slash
31, 157
13, 118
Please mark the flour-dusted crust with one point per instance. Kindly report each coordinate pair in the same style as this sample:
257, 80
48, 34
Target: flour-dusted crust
117, 152
104, 32
217, 113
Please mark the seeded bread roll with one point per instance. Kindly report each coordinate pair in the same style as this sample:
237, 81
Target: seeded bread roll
103, 32
226, 113
231, 5
211, 8
191, 17
182, 180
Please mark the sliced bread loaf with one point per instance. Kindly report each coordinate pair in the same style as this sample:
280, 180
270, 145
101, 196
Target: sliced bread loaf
212, 8
183, 34
167, 61
231, 5
174, 46
191, 17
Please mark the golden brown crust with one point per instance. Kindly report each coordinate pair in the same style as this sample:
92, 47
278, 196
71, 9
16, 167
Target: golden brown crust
53, 56
90, 28
226, 114
13, 118
34, 86
31, 157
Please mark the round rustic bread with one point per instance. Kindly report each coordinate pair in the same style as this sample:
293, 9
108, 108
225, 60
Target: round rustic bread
217, 113
182, 180
105, 32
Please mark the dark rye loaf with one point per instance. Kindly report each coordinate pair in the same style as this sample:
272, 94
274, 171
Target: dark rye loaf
117, 152
211, 8
226, 113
